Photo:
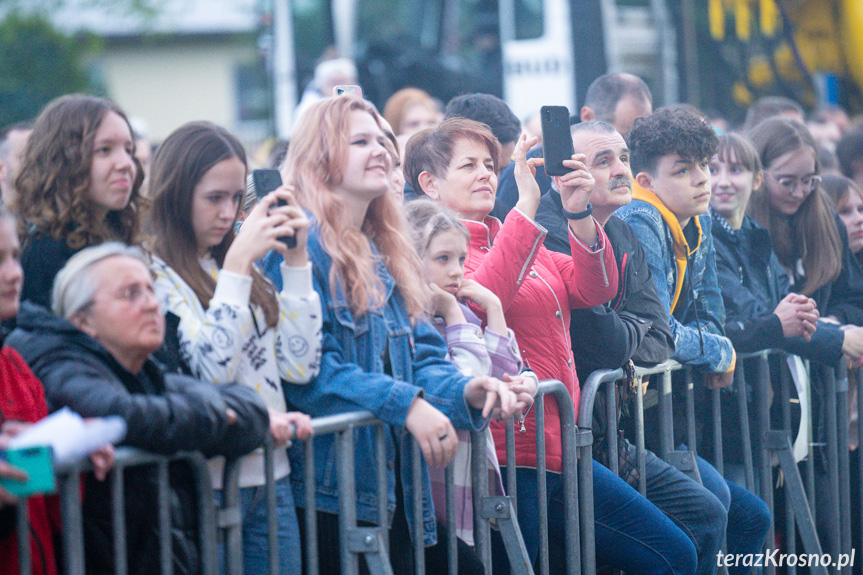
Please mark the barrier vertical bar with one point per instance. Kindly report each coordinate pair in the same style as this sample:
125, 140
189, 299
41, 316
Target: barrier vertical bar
311, 514
844, 459
118, 516
272, 511
790, 533
511, 484
165, 551
611, 427
25, 559
763, 416
541, 487
417, 483
666, 424
70, 515
690, 411
718, 449
229, 519
347, 498
481, 527
833, 463
810, 461
381, 471
639, 439
451, 545
746, 429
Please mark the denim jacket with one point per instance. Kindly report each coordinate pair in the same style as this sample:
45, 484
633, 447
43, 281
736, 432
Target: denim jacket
353, 377
697, 313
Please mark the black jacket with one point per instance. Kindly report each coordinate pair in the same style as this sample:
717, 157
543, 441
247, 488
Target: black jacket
41, 258
165, 413
633, 325
753, 282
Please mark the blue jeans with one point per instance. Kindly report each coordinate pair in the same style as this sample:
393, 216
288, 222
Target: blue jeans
253, 510
693, 508
632, 535
748, 516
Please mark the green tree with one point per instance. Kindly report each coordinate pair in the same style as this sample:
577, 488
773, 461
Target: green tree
39, 63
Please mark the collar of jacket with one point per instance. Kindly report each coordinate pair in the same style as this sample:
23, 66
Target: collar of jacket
681, 246
482, 233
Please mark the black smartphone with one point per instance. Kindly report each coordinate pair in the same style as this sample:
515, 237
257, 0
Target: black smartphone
556, 139
264, 182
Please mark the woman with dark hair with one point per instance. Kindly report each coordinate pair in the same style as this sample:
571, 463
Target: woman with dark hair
232, 325
809, 239
848, 200
78, 186
379, 351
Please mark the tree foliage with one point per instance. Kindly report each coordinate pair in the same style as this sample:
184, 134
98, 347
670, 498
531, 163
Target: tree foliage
39, 63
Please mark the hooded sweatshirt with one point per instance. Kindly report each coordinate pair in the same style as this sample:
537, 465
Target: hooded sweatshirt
685, 275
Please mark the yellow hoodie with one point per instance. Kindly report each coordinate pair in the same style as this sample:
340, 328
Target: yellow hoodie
681, 246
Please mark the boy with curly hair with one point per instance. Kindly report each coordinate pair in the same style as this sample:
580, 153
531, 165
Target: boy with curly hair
670, 151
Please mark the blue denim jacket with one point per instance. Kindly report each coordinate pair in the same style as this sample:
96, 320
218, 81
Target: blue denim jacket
700, 314
352, 378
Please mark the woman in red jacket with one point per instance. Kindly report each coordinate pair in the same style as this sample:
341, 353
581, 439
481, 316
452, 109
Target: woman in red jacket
455, 164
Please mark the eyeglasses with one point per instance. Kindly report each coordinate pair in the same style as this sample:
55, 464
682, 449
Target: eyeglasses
789, 183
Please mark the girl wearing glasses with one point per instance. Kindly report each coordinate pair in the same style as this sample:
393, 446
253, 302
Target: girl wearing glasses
809, 239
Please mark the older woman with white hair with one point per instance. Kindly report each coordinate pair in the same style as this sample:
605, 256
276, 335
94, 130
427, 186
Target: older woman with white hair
93, 356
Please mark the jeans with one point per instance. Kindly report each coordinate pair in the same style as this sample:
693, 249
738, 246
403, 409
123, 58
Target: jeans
693, 508
748, 516
253, 510
632, 535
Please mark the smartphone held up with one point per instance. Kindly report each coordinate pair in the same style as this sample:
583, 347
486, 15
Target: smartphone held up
262, 182
556, 139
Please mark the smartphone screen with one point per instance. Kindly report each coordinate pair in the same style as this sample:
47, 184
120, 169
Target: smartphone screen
556, 139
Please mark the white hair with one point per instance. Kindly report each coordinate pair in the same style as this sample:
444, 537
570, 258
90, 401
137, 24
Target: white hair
327, 70
74, 286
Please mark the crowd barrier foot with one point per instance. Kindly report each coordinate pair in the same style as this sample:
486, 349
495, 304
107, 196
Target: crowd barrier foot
779, 443
501, 510
369, 542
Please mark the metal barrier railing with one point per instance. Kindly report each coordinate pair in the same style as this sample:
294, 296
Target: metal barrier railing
224, 523
774, 444
69, 492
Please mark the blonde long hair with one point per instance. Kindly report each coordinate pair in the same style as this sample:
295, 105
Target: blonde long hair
314, 164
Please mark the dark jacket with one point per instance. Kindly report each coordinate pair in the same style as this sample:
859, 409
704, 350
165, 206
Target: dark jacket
753, 282
41, 258
164, 414
634, 324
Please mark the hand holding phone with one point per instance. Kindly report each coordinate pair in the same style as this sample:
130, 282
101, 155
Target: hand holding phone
556, 139
263, 182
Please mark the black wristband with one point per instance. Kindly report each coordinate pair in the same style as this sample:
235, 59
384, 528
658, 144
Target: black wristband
578, 215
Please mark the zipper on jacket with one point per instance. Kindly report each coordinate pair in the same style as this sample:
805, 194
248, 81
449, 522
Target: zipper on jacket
622, 280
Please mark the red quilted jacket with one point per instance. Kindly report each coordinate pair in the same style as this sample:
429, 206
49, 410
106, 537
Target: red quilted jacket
537, 288
23, 399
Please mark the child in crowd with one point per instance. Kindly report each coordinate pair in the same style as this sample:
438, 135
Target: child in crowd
232, 325
670, 152
378, 353
79, 186
441, 242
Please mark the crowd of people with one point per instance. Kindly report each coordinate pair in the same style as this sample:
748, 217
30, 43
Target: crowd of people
434, 275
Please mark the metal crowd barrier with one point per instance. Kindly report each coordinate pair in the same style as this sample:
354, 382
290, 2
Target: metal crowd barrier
69, 492
223, 524
774, 446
